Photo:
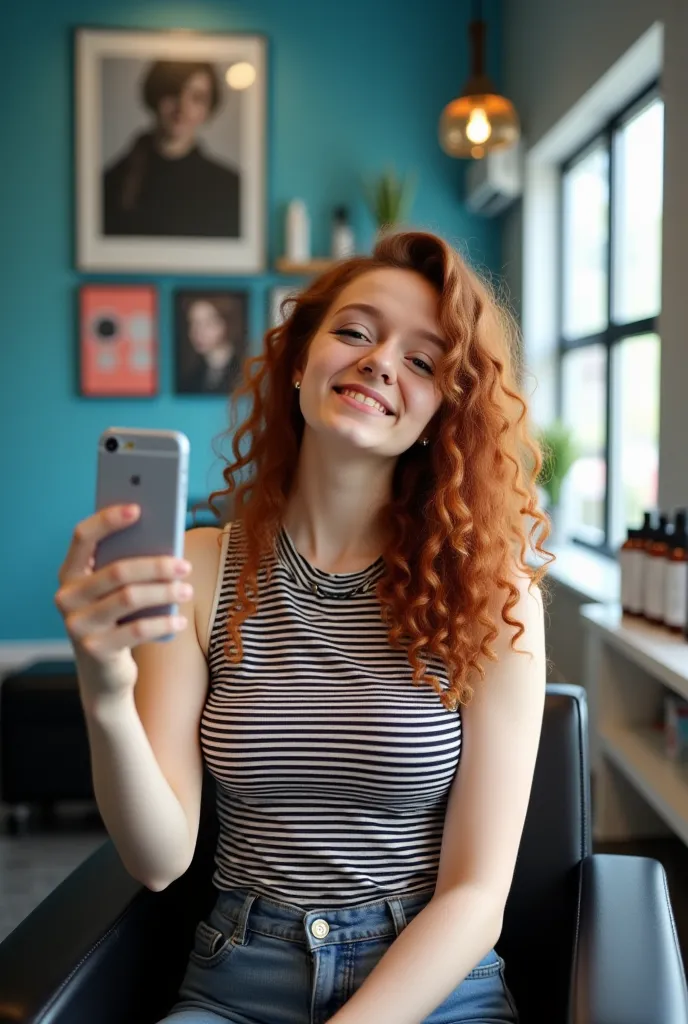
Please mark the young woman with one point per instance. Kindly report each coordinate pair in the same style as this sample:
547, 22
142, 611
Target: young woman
360, 663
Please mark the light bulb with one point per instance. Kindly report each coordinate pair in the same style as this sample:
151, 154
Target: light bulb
478, 129
240, 75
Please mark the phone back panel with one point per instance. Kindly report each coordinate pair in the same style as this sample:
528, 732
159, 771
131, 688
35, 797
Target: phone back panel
149, 468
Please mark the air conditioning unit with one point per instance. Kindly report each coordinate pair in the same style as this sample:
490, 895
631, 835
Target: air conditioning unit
493, 183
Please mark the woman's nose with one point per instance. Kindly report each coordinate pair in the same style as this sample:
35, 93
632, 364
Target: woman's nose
380, 362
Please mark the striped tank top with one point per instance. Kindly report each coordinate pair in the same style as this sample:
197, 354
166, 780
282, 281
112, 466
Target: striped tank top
333, 770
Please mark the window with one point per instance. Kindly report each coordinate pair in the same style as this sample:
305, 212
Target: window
609, 351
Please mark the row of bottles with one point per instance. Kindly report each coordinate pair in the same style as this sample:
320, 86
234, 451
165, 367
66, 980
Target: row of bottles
654, 571
298, 233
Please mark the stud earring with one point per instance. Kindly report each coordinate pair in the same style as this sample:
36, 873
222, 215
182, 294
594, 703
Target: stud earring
425, 441
297, 385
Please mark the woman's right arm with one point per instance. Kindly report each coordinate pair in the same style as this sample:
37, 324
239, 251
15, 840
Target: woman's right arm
142, 700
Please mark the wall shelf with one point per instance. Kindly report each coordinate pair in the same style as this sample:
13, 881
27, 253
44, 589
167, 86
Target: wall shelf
629, 666
314, 266
639, 754
662, 655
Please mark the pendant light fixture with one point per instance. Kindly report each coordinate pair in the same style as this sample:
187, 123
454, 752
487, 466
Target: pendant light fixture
480, 119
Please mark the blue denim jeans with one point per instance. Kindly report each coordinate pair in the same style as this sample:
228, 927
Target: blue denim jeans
260, 961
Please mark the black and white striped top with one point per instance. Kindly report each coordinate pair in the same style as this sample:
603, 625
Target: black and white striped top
333, 769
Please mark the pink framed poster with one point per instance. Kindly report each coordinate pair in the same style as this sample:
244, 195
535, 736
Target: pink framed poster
118, 344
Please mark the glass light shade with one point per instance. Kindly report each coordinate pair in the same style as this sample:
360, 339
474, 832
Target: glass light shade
477, 122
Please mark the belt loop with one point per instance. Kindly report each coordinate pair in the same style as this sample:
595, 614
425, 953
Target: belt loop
398, 915
239, 937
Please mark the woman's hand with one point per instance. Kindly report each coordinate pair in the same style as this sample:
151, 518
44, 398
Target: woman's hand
93, 603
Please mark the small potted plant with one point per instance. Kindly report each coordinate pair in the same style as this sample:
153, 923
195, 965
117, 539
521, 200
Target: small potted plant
559, 452
389, 198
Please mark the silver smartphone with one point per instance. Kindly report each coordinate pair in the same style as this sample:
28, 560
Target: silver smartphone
149, 468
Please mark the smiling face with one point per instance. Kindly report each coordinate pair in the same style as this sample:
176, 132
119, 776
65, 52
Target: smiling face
379, 344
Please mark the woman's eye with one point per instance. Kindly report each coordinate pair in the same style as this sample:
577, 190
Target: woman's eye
423, 365
347, 332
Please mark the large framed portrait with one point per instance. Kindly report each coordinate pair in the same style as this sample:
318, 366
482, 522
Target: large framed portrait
170, 151
211, 340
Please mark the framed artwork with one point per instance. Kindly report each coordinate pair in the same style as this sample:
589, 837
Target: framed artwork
118, 355
277, 297
211, 330
170, 151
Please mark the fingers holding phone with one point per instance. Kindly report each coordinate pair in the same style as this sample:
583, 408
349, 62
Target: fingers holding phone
105, 598
123, 580
86, 536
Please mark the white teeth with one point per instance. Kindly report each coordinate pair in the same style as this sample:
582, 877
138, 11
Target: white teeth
365, 400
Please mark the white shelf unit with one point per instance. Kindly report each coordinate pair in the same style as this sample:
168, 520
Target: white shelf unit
629, 665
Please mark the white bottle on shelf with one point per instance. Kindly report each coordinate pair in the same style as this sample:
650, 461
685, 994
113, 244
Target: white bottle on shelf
298, 232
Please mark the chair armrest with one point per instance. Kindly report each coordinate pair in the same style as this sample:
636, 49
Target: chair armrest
627, 962
100, 948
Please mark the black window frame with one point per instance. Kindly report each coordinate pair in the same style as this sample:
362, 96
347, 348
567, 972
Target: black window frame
614, 332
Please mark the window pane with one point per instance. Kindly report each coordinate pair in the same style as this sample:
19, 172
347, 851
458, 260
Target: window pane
637, 230
635, 432
584, 389
585, 238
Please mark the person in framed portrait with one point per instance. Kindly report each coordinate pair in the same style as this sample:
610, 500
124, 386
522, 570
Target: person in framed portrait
166, 183
210, 342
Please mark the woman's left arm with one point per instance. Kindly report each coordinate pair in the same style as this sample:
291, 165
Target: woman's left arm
482, 832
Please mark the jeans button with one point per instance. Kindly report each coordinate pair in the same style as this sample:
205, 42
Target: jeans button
320, 929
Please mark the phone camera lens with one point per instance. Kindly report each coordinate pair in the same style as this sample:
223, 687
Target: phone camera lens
112, 444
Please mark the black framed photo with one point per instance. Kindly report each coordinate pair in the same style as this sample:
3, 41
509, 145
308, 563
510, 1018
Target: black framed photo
211, 340
170, 161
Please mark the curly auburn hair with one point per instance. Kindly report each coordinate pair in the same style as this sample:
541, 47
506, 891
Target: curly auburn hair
463, 514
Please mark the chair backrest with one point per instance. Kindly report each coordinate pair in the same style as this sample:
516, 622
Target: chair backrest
540, 920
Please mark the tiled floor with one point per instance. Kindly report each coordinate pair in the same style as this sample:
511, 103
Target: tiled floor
32, 865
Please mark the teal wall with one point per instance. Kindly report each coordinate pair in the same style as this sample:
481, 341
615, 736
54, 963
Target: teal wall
352, 87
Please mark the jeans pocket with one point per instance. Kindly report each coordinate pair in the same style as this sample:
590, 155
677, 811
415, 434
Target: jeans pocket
489, 967
210, 946
481, 996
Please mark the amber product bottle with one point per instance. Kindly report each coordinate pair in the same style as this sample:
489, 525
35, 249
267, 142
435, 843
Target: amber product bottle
676, 576
646, 535
655, 566
632, 565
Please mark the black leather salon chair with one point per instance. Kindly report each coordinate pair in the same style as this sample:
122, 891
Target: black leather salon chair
587, 939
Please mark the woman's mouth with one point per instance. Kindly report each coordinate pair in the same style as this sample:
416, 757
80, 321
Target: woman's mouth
364, 403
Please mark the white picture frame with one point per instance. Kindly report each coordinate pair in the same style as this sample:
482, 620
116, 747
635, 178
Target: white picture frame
137, 106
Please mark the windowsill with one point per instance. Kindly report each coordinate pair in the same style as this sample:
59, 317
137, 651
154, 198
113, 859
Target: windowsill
591, 576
